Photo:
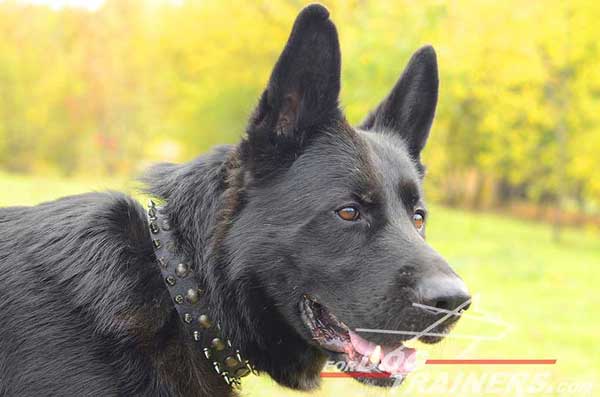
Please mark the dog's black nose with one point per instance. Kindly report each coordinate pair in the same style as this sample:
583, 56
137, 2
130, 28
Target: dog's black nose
446, 293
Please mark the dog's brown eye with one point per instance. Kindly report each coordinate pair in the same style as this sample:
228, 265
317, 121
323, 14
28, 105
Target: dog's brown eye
419, 219
348, 213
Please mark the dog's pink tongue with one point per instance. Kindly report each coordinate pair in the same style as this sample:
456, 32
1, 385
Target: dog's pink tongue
362, 345
398, 361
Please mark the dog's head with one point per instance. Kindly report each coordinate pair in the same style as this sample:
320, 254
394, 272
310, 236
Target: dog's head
330, 236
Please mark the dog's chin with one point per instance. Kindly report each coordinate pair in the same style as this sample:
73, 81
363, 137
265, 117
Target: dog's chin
303, 374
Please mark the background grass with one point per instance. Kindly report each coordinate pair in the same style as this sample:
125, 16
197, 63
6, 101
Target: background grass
546, 291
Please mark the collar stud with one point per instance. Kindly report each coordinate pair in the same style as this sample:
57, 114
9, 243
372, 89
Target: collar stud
192, 296
204, 321
181, 270
217, 344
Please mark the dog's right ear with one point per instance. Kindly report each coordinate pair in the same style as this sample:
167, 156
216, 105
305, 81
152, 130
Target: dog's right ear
302, 93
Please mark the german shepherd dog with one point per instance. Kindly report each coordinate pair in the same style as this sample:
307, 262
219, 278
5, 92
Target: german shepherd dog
306, 231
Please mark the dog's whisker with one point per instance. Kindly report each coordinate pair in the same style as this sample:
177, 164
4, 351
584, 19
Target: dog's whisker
416, 334
457, 310
434, 309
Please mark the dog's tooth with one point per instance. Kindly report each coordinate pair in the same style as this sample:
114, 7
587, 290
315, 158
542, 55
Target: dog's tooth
375, 357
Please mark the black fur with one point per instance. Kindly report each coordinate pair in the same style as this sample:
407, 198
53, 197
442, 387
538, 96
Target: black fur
84, 310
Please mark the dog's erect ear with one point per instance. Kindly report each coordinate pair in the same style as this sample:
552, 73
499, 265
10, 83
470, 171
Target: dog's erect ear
305, 83
304, 86
410, 106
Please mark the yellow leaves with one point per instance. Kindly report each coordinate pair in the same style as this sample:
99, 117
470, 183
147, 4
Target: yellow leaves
511, 73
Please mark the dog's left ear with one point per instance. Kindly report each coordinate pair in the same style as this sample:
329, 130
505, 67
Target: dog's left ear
302, 93
409, 108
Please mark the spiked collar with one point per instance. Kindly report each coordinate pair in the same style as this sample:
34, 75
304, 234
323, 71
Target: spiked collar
187, 295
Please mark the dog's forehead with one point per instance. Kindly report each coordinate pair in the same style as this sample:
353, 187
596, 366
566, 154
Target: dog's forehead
389, 155
371, 162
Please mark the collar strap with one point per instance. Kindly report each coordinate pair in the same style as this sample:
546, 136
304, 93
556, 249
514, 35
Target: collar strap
186, 295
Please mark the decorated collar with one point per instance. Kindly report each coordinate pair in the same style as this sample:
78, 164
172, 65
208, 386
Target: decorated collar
187, 295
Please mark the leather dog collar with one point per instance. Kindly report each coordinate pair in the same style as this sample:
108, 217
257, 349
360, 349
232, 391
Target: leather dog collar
186, 294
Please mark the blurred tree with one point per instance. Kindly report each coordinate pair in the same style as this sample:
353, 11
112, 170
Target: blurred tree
102, 91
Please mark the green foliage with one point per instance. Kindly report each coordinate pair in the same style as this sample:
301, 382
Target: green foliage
103, 92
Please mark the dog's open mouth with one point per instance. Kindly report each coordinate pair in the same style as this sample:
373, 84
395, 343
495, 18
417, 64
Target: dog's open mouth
361, 358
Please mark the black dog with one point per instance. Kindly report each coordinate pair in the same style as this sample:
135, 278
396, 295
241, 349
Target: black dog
306, 230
